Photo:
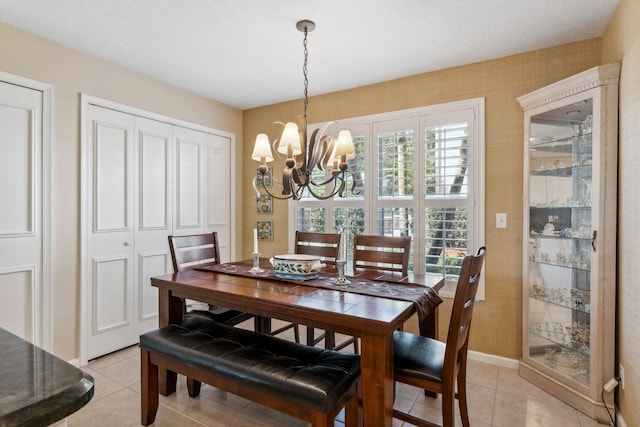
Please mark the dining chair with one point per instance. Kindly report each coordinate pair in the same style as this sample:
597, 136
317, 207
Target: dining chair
327, 247
384, 254
198, 250
436, 366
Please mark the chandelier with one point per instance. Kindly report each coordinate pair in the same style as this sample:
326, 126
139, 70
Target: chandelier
321, 152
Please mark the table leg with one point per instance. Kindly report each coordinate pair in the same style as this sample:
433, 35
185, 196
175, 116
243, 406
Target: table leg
376, 361
170, 310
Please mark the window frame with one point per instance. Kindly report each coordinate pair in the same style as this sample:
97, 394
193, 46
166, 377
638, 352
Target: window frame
473, 111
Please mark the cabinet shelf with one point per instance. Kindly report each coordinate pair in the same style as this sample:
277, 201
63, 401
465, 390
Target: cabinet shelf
583, 171
570, 265
567, 363
565, 335
560, 236
562, 145
578, 300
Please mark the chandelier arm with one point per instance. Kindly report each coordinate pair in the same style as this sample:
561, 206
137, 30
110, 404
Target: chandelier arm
336, 189
317, 148
266, 189
319, 197
255, 187
335, 177
353, 188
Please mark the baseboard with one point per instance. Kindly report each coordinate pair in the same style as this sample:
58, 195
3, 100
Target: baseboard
74, 362
503, 362
619, 420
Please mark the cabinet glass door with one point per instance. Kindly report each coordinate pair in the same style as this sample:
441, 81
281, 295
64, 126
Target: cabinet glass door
560, 239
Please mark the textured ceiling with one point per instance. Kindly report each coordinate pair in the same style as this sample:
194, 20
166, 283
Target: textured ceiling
248, 53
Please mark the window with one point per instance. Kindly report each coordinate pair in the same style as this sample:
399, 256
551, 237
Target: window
417, 173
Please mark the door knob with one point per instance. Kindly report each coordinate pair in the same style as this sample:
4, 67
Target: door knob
127, 243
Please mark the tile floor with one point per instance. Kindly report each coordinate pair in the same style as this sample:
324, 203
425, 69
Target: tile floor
497, 396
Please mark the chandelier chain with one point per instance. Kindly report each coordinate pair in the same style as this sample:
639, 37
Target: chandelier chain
306, 78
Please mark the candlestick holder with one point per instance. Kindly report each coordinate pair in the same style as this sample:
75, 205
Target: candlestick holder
341, 280
256, 264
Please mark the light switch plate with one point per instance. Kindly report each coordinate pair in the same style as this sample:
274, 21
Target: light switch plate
501, 220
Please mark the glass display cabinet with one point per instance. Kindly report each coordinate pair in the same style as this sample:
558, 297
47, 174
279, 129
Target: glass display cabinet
569, 265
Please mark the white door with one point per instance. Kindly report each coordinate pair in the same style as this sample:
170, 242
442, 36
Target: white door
110, 202
21, 210
153, 215
203, 185
218, 188
130, 199
189, 197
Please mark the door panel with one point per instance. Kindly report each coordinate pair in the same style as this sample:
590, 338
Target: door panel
111, 296
188, 145
17, 289
21, 224
150, 265
111, 180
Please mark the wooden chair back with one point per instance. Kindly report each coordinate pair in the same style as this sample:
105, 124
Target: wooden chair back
188, 252
425, 363
381, 253
460, 322
324, 245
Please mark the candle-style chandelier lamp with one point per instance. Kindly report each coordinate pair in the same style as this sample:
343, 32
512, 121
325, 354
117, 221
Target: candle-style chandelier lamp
321, 151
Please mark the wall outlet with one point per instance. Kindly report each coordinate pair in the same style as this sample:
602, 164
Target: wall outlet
621, 374
501, 220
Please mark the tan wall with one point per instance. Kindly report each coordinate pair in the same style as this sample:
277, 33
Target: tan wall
621, 43
72, 73
497, 321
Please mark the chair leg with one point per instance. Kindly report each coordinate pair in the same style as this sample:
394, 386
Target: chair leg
462, 399
329, 340
148, 389
351, 412
296, 332
448, 408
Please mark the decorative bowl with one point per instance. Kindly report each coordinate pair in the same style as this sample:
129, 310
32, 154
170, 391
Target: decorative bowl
296, 266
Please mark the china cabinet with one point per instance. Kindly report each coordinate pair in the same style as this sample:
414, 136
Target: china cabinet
569, 265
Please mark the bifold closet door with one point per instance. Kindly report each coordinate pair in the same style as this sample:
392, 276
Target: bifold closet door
130, 199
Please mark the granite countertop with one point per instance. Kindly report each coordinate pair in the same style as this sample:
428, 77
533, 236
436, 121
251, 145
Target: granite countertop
36, 387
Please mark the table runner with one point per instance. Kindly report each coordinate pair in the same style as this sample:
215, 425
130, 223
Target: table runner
424, 298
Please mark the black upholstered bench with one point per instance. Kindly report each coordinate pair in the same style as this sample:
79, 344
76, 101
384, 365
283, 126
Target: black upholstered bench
305, 382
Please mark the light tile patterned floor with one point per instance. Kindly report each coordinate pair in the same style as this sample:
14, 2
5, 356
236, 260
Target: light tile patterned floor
498, 397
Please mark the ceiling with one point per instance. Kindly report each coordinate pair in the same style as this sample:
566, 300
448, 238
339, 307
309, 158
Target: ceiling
248, 53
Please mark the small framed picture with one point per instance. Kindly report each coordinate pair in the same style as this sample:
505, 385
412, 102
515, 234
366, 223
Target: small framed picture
268, 181
265, 230
265, 204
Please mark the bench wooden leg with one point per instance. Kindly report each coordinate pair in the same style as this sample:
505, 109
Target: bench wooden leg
168, 381
149, 389
193, 387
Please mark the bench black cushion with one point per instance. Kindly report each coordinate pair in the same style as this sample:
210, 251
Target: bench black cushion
308, 376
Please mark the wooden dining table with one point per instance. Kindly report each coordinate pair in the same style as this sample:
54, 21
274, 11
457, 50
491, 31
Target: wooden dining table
371, 318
